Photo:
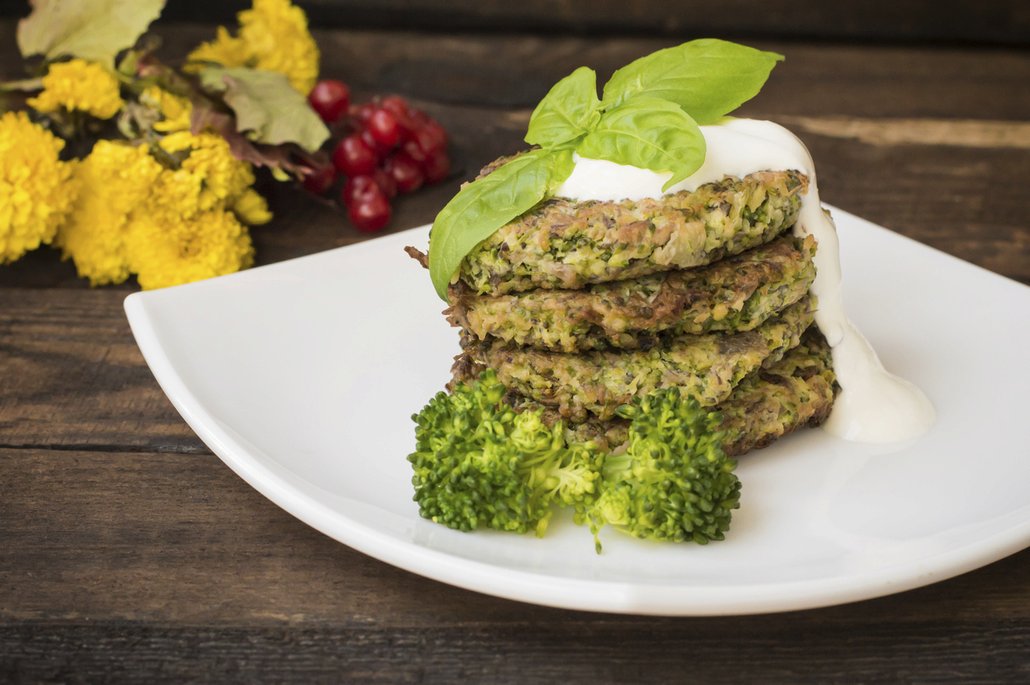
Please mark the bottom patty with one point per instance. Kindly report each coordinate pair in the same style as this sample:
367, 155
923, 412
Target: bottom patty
795, 392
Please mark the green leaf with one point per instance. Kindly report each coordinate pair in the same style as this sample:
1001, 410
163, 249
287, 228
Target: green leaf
649, 133
708, 78
96, 30
570, 109
266, 106
486, 204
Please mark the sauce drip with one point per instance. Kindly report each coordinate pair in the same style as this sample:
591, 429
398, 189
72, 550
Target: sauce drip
874, 405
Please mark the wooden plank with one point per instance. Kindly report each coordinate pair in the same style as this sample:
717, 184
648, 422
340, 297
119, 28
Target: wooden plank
570, 651
73, 376
987, 21
170, 539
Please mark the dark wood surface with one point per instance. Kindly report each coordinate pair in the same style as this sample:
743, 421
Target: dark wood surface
128, 551
983, 22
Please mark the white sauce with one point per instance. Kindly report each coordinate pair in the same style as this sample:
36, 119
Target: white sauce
874, 405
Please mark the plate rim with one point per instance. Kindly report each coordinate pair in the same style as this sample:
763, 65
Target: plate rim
624, 597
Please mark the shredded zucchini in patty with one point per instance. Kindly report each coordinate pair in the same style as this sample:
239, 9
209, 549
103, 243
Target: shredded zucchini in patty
735, 294
567, 245
707, 367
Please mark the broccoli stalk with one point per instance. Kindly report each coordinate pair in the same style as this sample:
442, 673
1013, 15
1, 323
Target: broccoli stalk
673, 482
478, 463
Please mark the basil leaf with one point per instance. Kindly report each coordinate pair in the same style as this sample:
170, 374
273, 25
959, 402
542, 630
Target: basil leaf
570, 109
486, 204
649, 133
708, 78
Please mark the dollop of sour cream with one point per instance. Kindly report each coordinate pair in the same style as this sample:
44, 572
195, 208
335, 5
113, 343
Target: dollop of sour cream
873, 405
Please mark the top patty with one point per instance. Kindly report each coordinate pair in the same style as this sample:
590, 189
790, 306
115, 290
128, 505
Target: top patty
734, 294
565, 244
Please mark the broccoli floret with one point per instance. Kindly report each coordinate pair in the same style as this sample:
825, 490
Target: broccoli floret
479, 463
673, 482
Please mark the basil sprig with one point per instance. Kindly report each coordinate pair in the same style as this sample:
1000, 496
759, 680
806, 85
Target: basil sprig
648, 117
568, 111
486, 204
649, 133
708, 78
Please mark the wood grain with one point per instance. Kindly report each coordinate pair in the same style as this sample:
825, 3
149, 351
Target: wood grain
129, 552
186, 571
987, 21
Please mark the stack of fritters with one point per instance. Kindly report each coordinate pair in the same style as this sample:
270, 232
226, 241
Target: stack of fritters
581, 306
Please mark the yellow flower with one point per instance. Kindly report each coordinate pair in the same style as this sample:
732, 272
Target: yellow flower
273, 35
168, 226
115, 179
251, 208
167, 249
79, 85
175, 111
222, 177
36, 191
225, 49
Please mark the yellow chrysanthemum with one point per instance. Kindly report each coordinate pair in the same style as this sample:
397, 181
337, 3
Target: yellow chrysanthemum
225, 49
175, 111
115, 179
167, 225
36, 191
251, 208
79, 85
166, 249
274, 36
223, 177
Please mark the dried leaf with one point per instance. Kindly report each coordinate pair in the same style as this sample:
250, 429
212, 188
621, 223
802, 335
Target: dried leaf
266, 106
288, 157
96, 30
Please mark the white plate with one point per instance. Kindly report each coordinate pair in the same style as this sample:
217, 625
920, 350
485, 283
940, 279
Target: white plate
302, 376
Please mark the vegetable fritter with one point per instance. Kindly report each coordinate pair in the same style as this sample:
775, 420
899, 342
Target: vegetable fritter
563, 244
706, 367
795, 392
735, 294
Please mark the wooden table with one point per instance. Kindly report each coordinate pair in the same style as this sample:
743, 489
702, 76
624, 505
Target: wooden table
127, 550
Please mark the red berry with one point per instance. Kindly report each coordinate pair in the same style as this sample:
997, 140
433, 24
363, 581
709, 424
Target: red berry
330, 99
320, 180
395, 104
354, 157
363, 112
430, 137
378, 149
386, 183
398, 107
414, 151
359, 189
437, 167
419, 118
405, 172
384, 128
371, 214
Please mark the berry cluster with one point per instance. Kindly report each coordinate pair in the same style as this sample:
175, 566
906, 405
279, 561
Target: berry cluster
381, 148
